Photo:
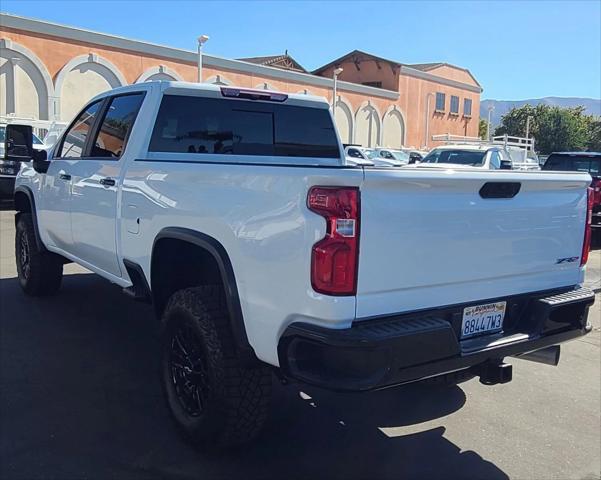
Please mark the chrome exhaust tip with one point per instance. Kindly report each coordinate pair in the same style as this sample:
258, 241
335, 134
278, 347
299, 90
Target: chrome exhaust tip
548, 355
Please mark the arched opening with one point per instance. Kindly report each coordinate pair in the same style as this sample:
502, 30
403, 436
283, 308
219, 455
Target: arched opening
83, 78
393, 128
367, 126
343, 117
25, 84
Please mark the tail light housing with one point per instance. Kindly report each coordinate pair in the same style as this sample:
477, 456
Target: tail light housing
334, 259
596, 186
586, 244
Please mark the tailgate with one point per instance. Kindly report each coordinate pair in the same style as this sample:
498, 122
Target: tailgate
429, 239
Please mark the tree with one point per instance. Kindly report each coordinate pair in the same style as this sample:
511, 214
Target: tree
594, 135
483, 128
554, 128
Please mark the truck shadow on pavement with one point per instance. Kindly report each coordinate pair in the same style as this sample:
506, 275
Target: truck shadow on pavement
80, 397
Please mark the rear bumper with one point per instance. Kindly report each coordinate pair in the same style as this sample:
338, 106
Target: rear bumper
388, 351
7, 187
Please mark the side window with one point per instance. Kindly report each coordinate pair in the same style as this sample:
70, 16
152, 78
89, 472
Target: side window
354, 153
495, 160
467, 107
454, 105
440, 101
116, 125
75, 138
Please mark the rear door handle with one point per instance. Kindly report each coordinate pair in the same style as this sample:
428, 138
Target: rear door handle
107, 182
64, 176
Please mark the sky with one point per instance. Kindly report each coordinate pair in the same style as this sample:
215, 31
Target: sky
516, 49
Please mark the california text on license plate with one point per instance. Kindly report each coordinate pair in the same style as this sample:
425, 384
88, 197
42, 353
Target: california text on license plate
483, 319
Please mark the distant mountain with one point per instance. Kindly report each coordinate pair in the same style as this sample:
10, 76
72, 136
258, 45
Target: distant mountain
592, 106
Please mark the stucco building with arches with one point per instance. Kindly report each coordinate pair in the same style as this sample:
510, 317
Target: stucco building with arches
49, 71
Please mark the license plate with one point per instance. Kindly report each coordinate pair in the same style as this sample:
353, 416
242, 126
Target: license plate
481, 319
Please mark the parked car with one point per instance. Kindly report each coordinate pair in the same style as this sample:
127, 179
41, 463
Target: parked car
392, 154
9, 169
478, 156
415, 156
232, 213
370, 155
581, 162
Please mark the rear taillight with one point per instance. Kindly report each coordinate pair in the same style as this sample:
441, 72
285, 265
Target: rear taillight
586, 245
334, 259
596, 186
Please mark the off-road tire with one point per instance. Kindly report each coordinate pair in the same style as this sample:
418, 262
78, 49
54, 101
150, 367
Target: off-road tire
235, 398
40, 272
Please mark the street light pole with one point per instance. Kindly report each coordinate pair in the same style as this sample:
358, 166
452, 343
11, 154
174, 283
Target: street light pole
201, 41
337, 72
490, 109
528, 125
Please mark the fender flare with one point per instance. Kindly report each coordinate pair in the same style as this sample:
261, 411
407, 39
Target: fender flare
217, 251
30, 197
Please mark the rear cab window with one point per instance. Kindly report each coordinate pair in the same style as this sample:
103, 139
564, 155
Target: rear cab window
574, 163
209, 126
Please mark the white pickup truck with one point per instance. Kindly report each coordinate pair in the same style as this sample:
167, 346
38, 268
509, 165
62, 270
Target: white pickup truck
232, 212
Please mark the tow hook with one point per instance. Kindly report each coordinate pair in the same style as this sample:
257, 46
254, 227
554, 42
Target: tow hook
494, 372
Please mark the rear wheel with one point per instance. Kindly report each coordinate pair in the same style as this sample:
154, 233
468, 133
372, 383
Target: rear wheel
214, 400
40, 272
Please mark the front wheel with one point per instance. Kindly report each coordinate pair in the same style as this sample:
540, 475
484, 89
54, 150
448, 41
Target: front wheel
40, 272
214, 400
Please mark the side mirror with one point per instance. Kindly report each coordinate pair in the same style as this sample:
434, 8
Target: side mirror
506, 165
18, 143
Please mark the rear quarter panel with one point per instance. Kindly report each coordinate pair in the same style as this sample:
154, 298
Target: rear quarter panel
259, 215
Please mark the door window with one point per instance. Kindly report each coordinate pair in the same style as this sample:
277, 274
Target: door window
75, 138
116, 125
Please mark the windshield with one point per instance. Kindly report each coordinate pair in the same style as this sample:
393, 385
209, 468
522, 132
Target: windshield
36, 139
370, 153
458, 157
398, 155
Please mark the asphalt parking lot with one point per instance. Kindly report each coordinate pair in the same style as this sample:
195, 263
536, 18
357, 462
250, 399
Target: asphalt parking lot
80, 398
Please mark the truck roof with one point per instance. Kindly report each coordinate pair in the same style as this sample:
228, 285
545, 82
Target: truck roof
210, 90
586, 154
475, 147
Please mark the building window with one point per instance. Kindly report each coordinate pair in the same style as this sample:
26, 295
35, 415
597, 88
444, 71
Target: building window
373, 84
467, 107
454, 105
440, 101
